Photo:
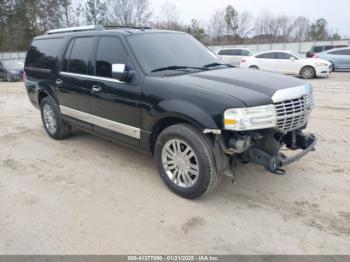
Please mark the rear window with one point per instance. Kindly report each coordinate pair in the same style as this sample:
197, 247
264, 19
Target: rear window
43, 53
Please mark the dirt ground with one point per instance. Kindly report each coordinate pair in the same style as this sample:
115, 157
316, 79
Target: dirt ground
85, 195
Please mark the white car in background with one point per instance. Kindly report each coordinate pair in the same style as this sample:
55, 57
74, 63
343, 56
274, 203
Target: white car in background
233, 56
287, 62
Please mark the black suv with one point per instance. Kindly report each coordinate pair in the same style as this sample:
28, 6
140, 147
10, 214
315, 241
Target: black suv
167, 94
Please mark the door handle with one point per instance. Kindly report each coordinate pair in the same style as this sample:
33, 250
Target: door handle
96, 88
59, 82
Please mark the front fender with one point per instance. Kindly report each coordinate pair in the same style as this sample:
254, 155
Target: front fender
187, 111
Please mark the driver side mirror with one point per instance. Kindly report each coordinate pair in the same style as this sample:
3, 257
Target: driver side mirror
292, 58
120, 72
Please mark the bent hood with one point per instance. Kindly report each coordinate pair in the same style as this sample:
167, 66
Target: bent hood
252, 87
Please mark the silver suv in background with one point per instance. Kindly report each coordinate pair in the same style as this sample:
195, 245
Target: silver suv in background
233, 56
339, 58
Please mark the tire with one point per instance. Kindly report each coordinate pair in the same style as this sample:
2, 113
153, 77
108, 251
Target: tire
333, 68
253, 67
199, 163
308, 72
55, 127
8, 77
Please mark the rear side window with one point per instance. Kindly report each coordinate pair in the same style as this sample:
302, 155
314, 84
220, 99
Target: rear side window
44, 53
245, 53
266, 56
110, 51
340, 52
78, 55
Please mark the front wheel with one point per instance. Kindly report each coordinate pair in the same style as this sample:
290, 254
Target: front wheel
185, 161
254, 67
308, 72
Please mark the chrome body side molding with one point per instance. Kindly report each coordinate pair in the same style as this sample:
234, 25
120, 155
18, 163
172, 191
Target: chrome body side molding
292, 93
91, 77
102, 122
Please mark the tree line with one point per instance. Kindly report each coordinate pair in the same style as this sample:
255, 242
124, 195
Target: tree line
21, 20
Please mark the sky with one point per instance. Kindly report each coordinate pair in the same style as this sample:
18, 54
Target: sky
336, 12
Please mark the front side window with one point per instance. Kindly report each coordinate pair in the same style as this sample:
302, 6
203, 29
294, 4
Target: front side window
159, 50
266, 56
284, 56
110, 51
246, 53
78, 55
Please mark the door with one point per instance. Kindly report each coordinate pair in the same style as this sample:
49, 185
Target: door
341, 58
286, 63
72, 80
115, 103
266, 61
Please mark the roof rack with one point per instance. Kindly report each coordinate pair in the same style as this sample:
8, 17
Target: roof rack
76, 29
127, 27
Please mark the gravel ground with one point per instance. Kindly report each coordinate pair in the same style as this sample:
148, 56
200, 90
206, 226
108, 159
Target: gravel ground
85, 195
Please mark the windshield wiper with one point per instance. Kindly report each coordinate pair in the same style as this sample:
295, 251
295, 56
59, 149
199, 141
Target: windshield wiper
217, 64
177, 68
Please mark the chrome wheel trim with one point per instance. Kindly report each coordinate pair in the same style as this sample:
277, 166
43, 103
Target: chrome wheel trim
180, 163
308, 72
49, 119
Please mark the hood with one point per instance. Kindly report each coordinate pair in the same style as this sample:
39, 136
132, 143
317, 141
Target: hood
252, 87
318, 60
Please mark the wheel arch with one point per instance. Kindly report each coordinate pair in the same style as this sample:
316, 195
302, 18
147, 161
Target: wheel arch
176, 112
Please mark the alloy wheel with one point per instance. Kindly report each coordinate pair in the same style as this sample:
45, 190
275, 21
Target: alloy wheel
180, 163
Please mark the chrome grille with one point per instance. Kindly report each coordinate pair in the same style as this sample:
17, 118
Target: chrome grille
293, 114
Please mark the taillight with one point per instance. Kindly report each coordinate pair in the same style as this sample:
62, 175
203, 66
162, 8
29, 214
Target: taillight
243, 60
315, 56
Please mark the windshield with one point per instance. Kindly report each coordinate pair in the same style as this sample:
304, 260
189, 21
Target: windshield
170, 50
12, 64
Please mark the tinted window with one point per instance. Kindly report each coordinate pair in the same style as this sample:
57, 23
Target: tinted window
266, 56
77, 59
317, 49
341, 52
281, 55
44, 53
110, 51
223, 52
245, 53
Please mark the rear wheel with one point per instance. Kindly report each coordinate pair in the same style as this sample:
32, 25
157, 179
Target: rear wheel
308, 72
185, 161
55, 127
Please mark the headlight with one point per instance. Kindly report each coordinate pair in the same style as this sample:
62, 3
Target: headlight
250, 118
321, 64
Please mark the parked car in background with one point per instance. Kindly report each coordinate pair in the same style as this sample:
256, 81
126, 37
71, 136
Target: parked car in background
321, 48
233, 55
339, 58
11, 70
289, 63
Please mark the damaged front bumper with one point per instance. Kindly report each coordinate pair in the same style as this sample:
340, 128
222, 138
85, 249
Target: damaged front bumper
275, 163
262, 148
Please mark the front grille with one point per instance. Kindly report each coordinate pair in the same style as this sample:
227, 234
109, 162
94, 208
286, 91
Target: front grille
293, 114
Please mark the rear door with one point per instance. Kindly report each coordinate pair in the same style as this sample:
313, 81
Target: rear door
72, 80
115, 105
